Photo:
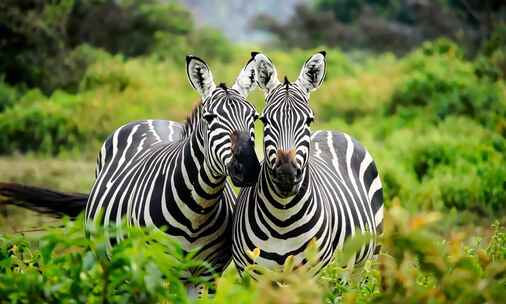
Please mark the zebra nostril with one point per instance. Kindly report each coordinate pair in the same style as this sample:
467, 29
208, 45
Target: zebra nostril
298, 172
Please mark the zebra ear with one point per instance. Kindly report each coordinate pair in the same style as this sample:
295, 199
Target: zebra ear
265, 72
313, 72
200, 76
245, 82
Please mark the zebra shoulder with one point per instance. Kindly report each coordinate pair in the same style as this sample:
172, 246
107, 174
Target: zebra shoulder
135, 135
329, 141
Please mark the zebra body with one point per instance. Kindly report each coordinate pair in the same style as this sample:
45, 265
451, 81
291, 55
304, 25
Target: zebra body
340, 195
160, 173
146, 176
321, 186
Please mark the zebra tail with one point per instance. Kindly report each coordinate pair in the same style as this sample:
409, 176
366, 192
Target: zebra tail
43, 200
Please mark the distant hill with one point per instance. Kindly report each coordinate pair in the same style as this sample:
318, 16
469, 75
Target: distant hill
234, 17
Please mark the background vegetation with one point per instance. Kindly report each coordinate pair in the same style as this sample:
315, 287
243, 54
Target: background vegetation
431, 109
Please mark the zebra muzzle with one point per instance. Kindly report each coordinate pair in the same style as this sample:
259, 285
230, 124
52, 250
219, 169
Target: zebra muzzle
244, 166
286, 174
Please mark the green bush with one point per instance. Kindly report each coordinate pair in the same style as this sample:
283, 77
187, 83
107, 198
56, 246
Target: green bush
443, 84
446, 271
458, 164
485, 68
205, 42
496, 249
417, 265
64, 266
8, 95
497, 40
442, 46
109, 73
46, 125
478, 188
212, 44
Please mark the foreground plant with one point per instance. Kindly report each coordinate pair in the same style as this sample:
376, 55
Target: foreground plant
417, 265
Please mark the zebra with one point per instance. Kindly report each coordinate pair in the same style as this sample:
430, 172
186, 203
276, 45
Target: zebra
318, 188
160, 173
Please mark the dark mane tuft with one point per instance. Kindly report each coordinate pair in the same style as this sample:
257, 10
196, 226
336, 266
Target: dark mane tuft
223, 86
192, 119
287, 82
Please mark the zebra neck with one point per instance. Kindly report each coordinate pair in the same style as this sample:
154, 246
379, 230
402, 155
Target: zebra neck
287, 206
205, 187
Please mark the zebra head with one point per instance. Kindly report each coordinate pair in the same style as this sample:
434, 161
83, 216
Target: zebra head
229, 122
287, 117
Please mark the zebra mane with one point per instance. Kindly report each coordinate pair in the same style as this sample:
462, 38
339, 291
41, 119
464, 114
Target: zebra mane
286, 83
192, 119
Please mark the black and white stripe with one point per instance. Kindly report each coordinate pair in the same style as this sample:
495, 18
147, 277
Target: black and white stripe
160, 173
322, 185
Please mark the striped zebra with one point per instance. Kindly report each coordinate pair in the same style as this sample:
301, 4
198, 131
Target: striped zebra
318, 187
161, 173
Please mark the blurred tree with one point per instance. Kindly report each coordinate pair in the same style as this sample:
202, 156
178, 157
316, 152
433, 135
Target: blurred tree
127, 27
483, 15
397, 25
32, 42
39, 40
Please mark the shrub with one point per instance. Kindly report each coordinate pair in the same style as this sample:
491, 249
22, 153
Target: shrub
496, 249
440, 82
498, 61
485, 68
497, 40
442, 46
204, 42
110, 72
479, 188
458, 164
422, 267
64, 266
8, 95
417, 265
45, 125
211, 44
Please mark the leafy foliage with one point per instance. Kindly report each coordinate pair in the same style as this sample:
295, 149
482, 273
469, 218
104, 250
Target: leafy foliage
44, 125
416, 266
8, 95
444, 84
33, 48
66, 266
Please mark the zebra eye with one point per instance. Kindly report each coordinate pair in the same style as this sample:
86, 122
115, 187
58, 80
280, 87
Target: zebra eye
309, 120
209, 117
